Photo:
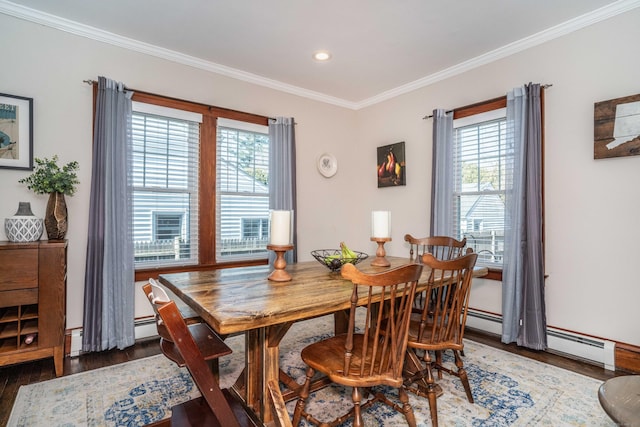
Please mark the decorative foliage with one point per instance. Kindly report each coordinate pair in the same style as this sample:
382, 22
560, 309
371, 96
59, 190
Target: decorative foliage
48, 177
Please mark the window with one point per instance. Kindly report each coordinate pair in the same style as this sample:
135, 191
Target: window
480, 163
165, 185
243, 189
167, 226
198, 181
255, 228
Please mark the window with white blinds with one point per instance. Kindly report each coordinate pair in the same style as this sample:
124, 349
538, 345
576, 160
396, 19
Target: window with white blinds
165, 174
242, 190
480, 163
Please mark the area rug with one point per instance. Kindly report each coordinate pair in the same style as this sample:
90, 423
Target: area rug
509, 390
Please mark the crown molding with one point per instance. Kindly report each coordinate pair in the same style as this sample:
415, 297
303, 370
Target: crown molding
565, 28
93, 33
46, 19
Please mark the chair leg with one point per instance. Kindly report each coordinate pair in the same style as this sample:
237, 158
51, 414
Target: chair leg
431, 392
407, 410
462, 374
439, 362
302, 400
356, 396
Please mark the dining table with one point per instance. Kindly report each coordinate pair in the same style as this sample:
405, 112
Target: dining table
243, 300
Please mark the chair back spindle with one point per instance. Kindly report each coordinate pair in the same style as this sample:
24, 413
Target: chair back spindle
377, 348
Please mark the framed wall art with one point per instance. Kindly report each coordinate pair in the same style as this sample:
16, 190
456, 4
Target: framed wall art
391, 165
16, 132
616, 127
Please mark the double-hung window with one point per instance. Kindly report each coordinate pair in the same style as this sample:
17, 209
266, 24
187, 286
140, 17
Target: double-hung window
480, 162
200, 191
165, 157
242, 189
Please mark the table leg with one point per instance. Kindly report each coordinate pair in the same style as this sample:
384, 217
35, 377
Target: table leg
254, 350
262, 364
340, 321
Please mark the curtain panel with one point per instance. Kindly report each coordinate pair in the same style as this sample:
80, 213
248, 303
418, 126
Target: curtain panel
108, 319
282, 175
523, 305
442, 174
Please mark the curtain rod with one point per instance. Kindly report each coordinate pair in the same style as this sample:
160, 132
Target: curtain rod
92, 82
450, 111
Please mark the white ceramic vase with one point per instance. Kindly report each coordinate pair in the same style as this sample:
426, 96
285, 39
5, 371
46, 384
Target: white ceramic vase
24, 226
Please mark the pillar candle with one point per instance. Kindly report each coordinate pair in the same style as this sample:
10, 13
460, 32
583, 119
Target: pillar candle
381, 224
280, 232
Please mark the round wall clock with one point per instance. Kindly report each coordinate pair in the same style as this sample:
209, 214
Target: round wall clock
327, 165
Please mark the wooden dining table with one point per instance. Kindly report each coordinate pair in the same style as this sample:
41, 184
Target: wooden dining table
243, 300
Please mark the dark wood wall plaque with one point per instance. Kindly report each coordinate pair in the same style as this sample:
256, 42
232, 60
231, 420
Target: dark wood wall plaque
616, 127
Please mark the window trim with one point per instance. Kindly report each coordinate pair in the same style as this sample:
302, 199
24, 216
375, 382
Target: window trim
207, 212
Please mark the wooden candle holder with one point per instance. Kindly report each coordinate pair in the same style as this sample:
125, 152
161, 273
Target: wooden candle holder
380, 259
279, 274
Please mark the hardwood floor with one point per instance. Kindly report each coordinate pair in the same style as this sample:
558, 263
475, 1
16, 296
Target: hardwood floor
14, 376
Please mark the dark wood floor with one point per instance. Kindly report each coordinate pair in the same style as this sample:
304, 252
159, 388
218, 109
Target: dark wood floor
12, 377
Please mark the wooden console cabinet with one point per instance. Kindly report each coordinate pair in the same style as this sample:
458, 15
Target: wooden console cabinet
33, 278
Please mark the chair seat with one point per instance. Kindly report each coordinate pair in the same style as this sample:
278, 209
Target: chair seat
327, 356
620, 399
209, 343
427, 343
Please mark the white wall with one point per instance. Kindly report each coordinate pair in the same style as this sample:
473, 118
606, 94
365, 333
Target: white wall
590, 205
50, 66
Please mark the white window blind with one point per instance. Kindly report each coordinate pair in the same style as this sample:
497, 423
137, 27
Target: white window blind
165, 186
481, 159
242, 191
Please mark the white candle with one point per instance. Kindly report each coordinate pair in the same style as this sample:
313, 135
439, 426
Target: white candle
280, 228
381, 224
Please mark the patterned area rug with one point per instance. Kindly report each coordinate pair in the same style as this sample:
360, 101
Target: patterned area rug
509, 390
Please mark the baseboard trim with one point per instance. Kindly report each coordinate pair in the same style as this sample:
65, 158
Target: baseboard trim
144, 328
565, 342
627, 357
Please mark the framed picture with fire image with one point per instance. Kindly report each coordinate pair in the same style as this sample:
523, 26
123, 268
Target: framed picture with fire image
391, 165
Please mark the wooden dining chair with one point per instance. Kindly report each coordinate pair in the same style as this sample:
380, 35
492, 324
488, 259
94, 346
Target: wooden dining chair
210, 344
440, 327
216, 407
372, 356
441, 247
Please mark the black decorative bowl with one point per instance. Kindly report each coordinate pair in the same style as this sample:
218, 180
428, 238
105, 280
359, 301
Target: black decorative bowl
332, 258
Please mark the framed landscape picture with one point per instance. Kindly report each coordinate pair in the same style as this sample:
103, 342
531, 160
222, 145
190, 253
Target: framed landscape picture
16, 132
391, 165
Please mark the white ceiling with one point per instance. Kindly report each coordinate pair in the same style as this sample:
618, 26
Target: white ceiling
380, 48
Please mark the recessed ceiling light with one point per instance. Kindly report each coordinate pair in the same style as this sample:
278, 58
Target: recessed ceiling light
322, 55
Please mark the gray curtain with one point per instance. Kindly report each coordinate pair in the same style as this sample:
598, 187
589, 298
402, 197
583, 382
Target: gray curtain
282, 175
523, 305
442, 174
109, 276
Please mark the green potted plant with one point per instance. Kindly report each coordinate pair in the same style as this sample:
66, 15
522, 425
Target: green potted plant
49, 178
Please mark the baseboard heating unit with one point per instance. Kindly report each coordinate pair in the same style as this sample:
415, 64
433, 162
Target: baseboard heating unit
576, 345
144, 328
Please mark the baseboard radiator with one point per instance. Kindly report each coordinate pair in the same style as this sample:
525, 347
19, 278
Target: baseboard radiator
576, 345
580, 346
144, 328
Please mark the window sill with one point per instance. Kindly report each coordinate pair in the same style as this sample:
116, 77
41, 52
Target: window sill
494, 274
145, 274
